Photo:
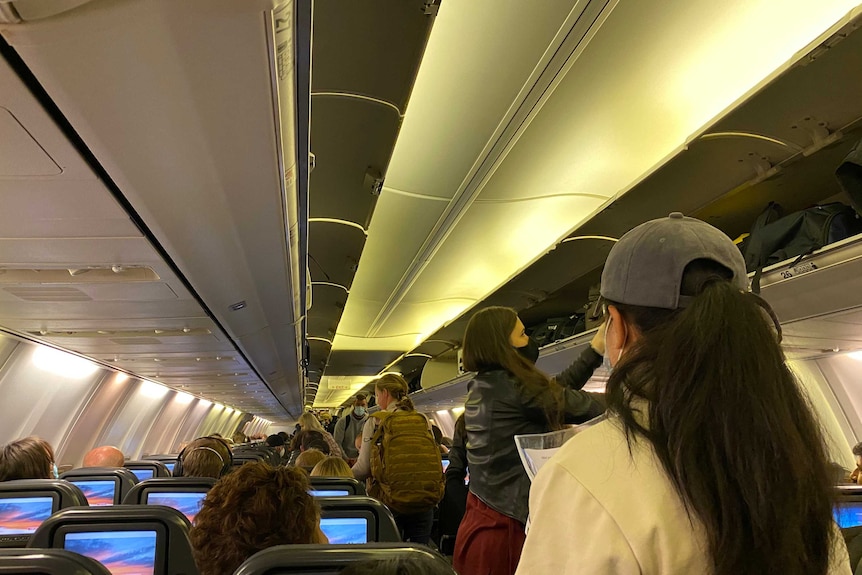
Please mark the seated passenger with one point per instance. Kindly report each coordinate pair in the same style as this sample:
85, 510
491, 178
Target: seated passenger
28, 458
332, 467
255, 507
306, 440
711, 460
309, 422
438, 437
204, 457
276, 442
508, 396
309, 458
238, 438
104, 456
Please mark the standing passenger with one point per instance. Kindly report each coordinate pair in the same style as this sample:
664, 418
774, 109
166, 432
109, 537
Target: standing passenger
508, 396
400, 456
349, 426
711, 461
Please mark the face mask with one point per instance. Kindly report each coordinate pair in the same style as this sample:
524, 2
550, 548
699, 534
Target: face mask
530, 352
606, 360
56, 471
359, 411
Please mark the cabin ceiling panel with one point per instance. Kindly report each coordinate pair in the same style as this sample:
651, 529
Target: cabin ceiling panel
75, 252
96, 310
353, 54
351, 141
116, 326
135, 292
335, 250
20, 154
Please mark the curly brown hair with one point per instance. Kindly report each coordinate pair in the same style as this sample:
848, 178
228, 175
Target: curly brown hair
255, 507
27, 458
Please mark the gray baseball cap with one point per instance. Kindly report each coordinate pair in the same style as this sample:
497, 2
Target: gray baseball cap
645, 267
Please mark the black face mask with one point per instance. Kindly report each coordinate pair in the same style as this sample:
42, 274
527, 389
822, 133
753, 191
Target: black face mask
530, 352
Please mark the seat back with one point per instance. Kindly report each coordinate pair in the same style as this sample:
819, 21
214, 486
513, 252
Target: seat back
25, 503
185, 494
169, 460
48, 562
124, 538
325, 559
147, 469
357, 519
339, 484
102, 485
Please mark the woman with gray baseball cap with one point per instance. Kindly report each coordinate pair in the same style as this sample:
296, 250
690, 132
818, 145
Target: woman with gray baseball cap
711, 460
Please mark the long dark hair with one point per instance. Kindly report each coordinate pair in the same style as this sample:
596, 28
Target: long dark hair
487, 347
730, 425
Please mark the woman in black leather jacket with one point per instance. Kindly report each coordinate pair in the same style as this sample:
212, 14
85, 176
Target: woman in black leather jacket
508, 396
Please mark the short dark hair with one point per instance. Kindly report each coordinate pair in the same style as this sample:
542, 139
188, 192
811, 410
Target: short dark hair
360, 397
275, 440
857, 449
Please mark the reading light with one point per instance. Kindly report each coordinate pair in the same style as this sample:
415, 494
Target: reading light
63, 363
152, 389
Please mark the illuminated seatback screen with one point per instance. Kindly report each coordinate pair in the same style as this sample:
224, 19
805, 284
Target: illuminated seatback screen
142, 474
22, 515
122, 552
345, 529
328, 492
848, 514
186, 502
98, 492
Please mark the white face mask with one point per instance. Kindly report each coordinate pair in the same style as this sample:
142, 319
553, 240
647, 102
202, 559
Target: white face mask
606, 360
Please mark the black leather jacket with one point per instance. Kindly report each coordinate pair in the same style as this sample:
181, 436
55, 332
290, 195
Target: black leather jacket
495, 412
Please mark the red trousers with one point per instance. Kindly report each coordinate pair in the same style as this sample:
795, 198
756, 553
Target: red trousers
488, 543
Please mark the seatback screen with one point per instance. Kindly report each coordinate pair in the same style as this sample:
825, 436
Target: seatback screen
848, 514
445, 465
186, 502
328, 492
22, 515
99, 492
345, 529
122, 552
170, 466
142, 474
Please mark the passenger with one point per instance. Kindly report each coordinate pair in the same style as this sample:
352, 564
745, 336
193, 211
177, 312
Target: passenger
357, 443
508, 396
284, 436
422, 466
309, 458
416, 565
454, 502
238, 438
104, 456
711, 460
203, 457
332, 467
856, 476
306, 440
438, 437
276, 442
349, 427
28, 458
255, 507
310, 423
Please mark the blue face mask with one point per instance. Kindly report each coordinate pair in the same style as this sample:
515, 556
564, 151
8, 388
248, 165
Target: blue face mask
56, 471
359, 410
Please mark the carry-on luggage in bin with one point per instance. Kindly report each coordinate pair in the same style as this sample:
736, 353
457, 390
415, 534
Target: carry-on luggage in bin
849, 175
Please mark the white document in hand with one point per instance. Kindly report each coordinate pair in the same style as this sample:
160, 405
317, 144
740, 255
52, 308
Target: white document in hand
537, 449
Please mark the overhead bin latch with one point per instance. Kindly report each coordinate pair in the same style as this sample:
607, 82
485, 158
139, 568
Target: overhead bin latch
431, 7
818, 132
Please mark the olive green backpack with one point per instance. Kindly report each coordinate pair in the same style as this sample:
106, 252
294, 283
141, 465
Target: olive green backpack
407, 474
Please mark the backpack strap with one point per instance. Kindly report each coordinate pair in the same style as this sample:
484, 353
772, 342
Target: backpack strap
380, 416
